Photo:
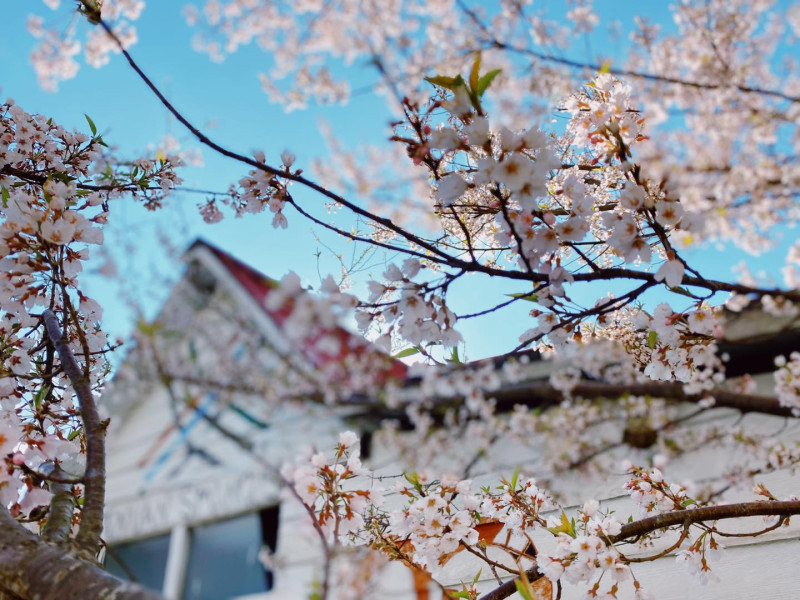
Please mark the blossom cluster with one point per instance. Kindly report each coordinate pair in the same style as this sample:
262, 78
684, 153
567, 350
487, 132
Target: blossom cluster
258, 190
425, 522
323, 486
413, 311
53, 58
55, 186
653, 494
437, 520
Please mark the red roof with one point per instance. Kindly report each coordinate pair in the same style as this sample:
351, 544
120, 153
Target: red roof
351, 345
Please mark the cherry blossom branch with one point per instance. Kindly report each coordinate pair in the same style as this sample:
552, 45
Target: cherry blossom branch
686, 518
88, 537
772, 527
206, 141
542, 393
671, 548
357, 238
433, 248
470, 266
607, 68
38, 178
637, 529
597, 451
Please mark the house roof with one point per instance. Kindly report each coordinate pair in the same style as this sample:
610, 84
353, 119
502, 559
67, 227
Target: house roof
258, 286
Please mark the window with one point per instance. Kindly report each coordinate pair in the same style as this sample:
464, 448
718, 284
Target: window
220, 559
223, 560
144, 561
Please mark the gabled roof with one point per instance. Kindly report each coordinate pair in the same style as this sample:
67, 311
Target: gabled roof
258, 286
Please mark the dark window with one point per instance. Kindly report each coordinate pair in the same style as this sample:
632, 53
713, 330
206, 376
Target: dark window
144, 561
366, 444
223, 562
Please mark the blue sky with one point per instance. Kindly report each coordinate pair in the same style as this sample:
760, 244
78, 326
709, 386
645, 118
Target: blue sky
229, 95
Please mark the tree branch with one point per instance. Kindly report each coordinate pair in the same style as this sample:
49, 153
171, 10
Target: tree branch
32, 569
541, 393
88, 538
510, 586
574, 64
680, 517
58, 526
706, 513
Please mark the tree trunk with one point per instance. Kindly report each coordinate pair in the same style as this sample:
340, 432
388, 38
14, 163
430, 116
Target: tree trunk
32, 569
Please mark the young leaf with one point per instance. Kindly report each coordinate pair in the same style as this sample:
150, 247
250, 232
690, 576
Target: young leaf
515, 478
652, 338
527, 297
6, 196
566, 526
450, 83
474, 75
485, 81
407, 352
91, 125
682, 291
454, 356
40, 394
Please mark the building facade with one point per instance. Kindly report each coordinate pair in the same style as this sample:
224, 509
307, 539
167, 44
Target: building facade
218, 394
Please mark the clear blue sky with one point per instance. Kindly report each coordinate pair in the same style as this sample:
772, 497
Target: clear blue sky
229, 95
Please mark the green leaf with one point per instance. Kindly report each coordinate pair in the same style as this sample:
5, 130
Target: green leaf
413, 479
681, 291
527, 297
454, 356
74, 434
149, 329
566, 526
450, 83
515, 478
40, 394
687, 502
477, 577
62, 177
474, 75
652, 338
92, 126
6, 196
407, 352
485, 81
606, 67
